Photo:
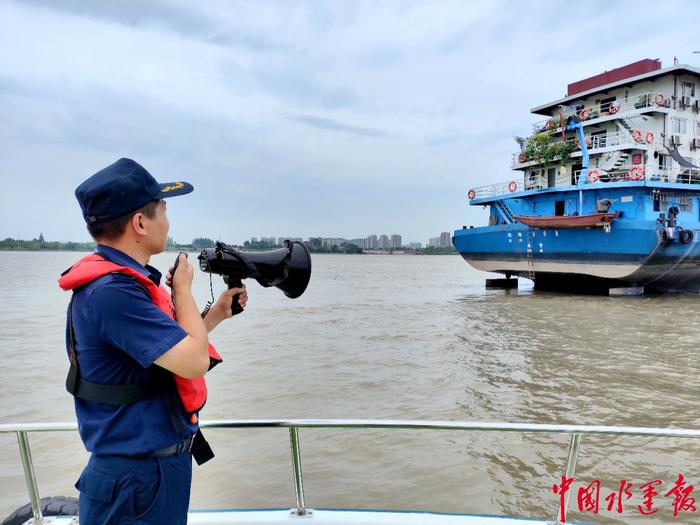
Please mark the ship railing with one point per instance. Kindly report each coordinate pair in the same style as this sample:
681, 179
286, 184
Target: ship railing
576, 432
633, 172
598, 142
650, 99
500, 188
637, 172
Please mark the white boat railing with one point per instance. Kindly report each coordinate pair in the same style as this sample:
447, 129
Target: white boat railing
635, 173
638, 173
650, 99
575, 431
601, 141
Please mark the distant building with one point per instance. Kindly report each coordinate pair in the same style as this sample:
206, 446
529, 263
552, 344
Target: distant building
371, 243
360, 243
434, 242
415, 245
293, 239
383, 242
330, 243
445, 240
395, 242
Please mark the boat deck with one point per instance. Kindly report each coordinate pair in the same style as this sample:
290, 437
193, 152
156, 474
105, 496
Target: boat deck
301, 513
332, 517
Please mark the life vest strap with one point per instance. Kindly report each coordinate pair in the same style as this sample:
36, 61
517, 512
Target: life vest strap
100, 392
201, 451
109, 394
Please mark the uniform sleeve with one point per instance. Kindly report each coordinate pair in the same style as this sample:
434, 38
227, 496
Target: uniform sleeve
125, 317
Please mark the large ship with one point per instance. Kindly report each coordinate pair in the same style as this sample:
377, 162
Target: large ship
608, 188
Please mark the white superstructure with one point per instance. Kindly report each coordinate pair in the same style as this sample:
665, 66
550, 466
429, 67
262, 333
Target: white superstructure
632, 126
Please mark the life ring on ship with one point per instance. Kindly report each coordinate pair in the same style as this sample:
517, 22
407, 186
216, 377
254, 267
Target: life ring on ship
584, 114
686, 236
587, 141
636, 173
471, 194
649, 137
594, 175
522, 158
512, 186
660, 100
637, 135
613, 108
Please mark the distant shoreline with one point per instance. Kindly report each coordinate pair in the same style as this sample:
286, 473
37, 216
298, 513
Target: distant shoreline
39, 245
192, 249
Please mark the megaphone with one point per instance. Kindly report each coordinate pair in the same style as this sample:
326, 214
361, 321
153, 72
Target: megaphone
287, 268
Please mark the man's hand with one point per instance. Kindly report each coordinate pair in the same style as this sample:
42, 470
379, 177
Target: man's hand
183, 275
221, 309
190, 357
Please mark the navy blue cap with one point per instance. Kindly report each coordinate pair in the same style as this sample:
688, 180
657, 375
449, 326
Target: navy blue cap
121, 188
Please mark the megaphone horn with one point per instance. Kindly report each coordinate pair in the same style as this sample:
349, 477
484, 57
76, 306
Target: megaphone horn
287, 268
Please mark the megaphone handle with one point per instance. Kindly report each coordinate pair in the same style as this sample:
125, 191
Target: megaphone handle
234, 282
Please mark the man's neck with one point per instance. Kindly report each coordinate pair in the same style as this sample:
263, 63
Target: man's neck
130, 247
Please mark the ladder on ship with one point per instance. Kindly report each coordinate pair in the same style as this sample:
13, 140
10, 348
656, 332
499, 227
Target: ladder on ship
505, 210
530, 254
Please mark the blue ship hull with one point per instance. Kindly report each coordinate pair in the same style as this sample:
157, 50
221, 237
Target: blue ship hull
637, 250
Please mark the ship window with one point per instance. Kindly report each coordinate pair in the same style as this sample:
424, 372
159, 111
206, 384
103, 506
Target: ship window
599, 139
657, 203
575, 169
688, 89
684, 203
559, 207
551, 177
605, 104
680, 125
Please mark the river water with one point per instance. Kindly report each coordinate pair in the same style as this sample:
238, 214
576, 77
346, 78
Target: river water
397, 337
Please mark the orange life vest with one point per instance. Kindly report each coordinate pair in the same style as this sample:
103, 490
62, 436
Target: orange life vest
192, 392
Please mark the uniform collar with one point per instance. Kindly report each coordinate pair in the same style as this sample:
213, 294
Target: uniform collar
119, 257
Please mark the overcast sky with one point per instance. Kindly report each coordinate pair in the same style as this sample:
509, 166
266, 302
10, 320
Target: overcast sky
291, 118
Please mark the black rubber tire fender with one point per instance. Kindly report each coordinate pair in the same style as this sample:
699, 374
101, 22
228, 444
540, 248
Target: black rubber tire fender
51, 506
686, 236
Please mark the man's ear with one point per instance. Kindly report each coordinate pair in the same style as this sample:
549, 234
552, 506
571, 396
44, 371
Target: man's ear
137, 224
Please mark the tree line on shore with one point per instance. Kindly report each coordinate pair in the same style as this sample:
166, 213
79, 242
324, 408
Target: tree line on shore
197, 244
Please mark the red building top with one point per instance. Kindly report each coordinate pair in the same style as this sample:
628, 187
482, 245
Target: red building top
614, 75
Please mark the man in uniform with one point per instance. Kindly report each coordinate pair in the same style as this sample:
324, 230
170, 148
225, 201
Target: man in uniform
137, 358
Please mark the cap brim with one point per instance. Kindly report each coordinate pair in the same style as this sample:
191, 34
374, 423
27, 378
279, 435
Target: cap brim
173, 189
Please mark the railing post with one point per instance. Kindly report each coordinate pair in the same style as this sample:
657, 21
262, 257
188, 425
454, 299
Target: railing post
296, 464
570, 470
29, 476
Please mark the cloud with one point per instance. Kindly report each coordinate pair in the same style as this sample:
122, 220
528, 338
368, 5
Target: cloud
364, 112
442, 139
179, 18
332, 125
